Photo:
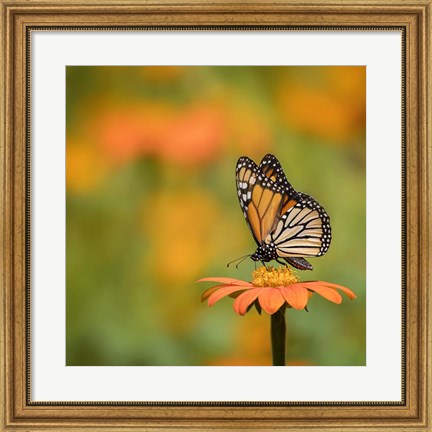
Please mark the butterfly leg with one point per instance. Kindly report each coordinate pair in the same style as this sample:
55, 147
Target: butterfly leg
281, 262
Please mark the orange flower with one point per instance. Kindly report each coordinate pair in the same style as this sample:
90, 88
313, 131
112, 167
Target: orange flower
86, 169
194, 136
339, 91
271, 289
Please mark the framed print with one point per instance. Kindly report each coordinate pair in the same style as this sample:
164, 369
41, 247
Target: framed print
194, 193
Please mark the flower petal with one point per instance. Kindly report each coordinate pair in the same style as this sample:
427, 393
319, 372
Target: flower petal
244, 300
222, 292
225, 280
208, 292
326, 292
271, 299
346, 290
295, 296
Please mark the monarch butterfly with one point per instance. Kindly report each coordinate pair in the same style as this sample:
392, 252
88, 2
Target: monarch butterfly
284, 223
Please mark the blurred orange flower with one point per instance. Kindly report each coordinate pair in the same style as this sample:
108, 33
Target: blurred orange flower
238, 360
194, 136
332, 107
248, 127
179, 222
162, 74
85, 168
190, 135
257, 345
272, 288
124, 133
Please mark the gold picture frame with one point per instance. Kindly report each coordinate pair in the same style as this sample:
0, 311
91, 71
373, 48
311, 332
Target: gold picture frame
413, 18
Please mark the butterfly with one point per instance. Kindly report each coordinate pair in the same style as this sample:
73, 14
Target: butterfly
285, 224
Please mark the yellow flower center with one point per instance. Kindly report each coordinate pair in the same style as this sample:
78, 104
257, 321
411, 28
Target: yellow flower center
274, 277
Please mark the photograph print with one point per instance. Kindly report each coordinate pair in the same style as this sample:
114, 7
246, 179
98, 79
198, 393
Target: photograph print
216, 216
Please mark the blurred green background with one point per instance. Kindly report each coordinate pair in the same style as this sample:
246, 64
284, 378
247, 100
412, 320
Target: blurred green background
152, 207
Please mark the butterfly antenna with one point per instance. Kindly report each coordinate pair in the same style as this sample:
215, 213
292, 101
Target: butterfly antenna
241, 259
247, 256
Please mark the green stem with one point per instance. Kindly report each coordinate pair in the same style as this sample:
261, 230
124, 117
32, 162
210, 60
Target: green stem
278, 335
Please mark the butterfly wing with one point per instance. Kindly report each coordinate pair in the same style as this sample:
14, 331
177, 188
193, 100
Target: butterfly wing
303, 231
272, 168
260, 199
